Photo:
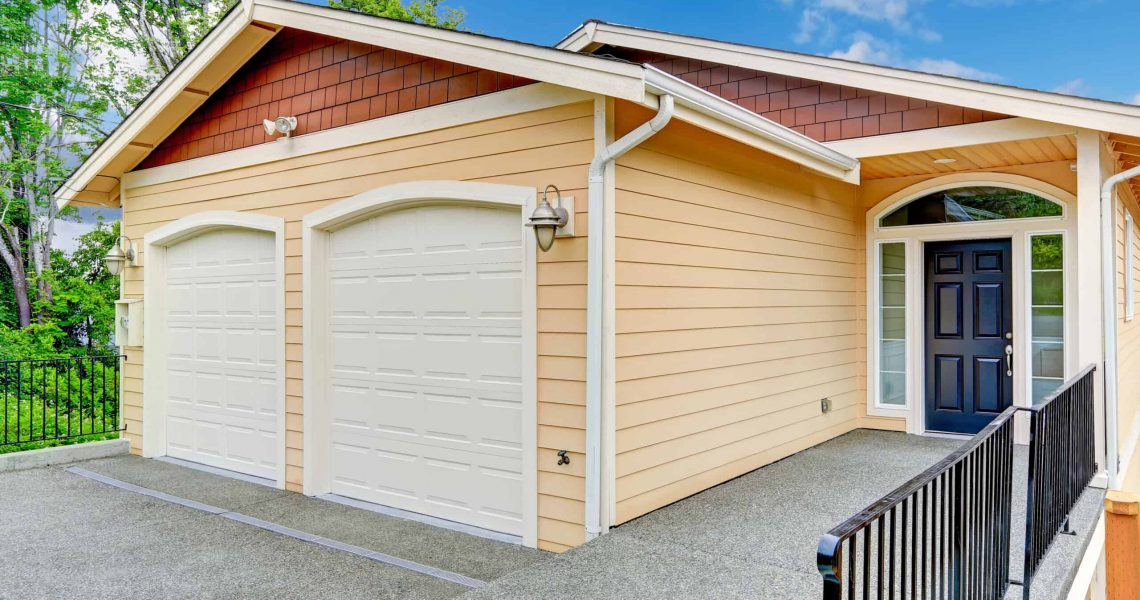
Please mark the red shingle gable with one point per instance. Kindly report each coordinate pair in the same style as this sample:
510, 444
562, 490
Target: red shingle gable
325, 82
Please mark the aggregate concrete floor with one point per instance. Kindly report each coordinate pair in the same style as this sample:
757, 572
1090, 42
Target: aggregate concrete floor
64, 536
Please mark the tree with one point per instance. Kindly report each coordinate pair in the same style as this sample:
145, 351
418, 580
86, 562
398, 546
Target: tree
83, 307
141, 41
47, 117
426, 12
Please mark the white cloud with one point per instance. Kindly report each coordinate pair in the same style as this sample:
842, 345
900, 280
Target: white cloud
67, 234
1074, 87
899, 14
867, 48
952, 68
1135, 99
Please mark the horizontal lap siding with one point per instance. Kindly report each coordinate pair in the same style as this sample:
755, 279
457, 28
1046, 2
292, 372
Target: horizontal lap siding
551, 146
738, 309
1128, 332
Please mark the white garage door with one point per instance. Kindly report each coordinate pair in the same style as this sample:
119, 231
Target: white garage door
223, 355
425, 363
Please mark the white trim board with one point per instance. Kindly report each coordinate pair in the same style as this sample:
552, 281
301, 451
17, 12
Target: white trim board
156, 243
315, 238
1046, 106
987, 132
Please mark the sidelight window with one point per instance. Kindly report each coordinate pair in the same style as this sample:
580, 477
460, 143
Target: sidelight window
892, 324
1047, 319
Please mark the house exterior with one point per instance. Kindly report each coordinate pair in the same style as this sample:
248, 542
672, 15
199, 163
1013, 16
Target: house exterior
765, 250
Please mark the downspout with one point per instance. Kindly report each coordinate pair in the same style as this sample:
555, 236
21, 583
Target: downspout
1108, 299
595, 311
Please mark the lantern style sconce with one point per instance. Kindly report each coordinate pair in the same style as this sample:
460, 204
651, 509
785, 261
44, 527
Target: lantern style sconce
549, 221
120, 254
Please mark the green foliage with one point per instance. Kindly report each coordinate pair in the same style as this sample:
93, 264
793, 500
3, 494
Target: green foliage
425, 12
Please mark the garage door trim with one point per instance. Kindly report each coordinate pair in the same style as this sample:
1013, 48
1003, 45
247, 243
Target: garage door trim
316, 233
155, 337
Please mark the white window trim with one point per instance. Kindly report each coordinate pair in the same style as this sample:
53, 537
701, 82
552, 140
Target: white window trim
1129, 260
315, 238
155, 334
916, 236
1067, 302
874, 313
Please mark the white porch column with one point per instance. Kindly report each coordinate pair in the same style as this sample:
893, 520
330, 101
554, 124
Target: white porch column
1092, 158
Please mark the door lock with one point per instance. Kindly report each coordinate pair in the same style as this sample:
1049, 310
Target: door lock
1009, 360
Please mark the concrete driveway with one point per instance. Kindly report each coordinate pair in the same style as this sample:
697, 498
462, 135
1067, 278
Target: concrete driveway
63, 535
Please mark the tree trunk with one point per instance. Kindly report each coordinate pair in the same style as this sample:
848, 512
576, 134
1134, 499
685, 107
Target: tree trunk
19, 278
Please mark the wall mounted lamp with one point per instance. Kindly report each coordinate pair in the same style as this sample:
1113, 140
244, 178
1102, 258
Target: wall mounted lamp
120, 254
547, 219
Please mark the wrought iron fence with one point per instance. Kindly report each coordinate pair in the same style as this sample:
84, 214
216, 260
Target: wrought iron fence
944, 534
47, 400
1062, 462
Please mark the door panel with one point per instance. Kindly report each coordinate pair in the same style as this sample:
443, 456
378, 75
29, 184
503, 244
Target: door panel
968, 316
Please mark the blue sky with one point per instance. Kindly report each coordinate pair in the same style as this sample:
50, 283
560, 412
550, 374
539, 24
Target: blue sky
1081, 47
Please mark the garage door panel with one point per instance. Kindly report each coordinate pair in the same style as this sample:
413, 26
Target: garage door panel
482, 490
222, 356
446, 417
425, 363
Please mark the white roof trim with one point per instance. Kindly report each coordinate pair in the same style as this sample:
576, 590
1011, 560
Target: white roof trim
1058, 108
763, 133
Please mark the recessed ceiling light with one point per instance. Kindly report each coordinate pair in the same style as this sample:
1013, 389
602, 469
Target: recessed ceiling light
945, 161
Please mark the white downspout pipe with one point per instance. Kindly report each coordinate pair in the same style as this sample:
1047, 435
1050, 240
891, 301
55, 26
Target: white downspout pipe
1108, 299
595, 311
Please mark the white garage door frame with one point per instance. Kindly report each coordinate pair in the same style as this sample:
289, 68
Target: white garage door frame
317, 228
155, 337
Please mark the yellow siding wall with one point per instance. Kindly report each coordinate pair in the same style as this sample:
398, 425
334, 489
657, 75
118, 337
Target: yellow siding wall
738, 308
1128, 332
552, 146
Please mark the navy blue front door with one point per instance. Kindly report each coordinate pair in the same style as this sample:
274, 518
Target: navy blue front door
969, 323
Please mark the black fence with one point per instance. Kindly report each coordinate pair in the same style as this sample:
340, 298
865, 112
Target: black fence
1062, 462
48, 400
946, 533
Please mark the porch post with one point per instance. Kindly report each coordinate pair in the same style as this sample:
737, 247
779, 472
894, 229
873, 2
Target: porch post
1091, 160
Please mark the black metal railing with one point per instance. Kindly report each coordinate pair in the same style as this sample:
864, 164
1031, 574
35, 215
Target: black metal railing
944, 534
46, 400
1062, 462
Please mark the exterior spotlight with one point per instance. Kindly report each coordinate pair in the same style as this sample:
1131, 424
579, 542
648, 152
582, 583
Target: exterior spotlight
284, 125
546, 219
119, 254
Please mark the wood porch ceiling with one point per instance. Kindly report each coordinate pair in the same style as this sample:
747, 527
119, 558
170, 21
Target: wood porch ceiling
974, 158
1127, 152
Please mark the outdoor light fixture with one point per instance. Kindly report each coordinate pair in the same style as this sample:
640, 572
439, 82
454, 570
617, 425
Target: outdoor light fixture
119, 254
944, 161
546, 219
284, 125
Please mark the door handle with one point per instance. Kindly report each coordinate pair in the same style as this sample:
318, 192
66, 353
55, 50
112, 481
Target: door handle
1009, 360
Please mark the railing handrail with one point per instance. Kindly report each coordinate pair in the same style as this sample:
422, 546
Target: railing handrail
1064, 387
8, 361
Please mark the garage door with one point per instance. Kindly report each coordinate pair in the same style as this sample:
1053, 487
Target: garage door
223, 355
425, 363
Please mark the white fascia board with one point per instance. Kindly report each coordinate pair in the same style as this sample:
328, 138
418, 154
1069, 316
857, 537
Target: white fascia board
988, 132
1079, 112
712, 112
166, 92
569, 69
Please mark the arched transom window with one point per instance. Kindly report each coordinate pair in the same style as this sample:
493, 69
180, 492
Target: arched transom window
971, 204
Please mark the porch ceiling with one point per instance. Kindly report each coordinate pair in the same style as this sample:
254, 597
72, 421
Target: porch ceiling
1127, 151
973, 158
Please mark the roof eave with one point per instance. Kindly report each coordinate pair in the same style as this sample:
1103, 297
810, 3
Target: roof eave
699, 107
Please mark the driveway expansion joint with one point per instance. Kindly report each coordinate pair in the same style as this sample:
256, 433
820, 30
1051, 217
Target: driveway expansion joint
296, 534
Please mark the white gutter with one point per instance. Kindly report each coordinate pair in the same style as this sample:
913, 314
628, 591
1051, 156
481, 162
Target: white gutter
711, 105
595, 286
1108, 299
